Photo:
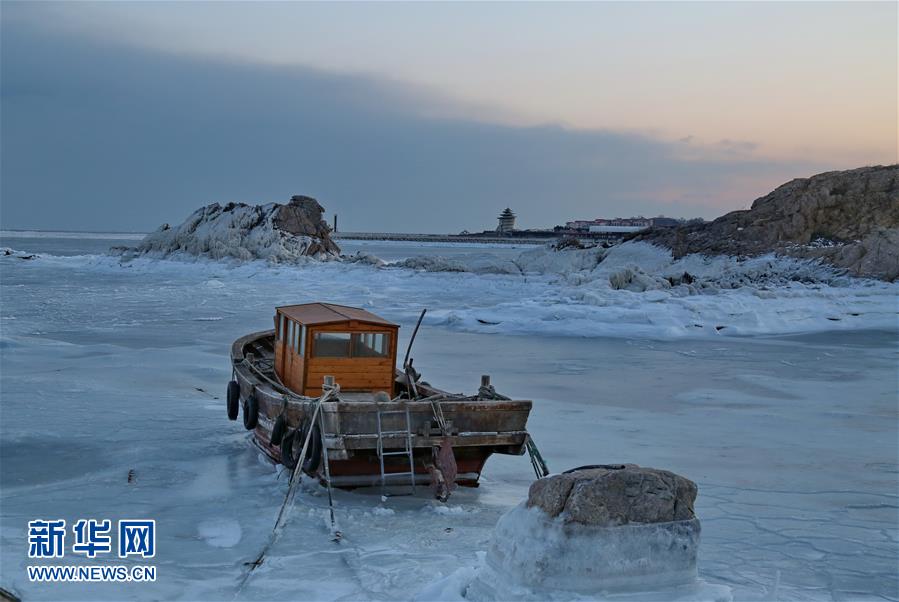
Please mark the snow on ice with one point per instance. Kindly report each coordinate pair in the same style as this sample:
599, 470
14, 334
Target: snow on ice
113, 372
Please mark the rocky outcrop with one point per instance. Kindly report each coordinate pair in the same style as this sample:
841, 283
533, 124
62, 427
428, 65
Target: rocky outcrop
302, 216
615, 495
849, 219
274, 232
617, 528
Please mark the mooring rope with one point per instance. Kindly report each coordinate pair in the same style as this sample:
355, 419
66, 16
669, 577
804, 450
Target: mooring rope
295, 478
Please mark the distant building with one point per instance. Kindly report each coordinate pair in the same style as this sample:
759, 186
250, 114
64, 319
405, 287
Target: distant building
506, 221
584, 225
620, 224
665, 222
616, 229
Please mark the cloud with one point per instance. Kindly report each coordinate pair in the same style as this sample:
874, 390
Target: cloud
101, 135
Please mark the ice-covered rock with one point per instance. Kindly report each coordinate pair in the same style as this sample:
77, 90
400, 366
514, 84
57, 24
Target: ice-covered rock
531, 550
473, 264
366, 258
549, 260
640, 267
8, 252
597, 531
636, 280
274, 232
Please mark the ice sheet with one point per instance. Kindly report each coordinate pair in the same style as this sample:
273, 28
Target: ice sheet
108, 368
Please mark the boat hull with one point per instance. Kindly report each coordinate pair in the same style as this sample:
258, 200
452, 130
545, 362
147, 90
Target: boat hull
476, 428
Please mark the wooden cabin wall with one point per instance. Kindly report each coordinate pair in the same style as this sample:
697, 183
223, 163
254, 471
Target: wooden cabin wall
279, 349
295, 362
289, 365
352, 374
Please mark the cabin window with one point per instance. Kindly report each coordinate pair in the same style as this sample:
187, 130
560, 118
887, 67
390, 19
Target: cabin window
279, 326
345, 344
331, 344
301, 346
371, 344
289, 336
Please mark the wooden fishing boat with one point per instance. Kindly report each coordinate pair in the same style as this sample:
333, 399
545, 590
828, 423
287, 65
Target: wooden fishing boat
379, 425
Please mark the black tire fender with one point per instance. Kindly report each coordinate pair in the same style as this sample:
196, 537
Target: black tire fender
292, 446
287, 458
279, 430
250, 412
314, 454
233, 399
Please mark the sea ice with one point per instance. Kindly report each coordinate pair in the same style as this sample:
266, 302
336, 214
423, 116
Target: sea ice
109, 366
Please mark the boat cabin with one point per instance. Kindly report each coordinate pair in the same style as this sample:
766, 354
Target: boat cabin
354, 346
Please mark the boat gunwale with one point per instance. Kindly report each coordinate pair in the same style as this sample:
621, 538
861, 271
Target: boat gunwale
452, 402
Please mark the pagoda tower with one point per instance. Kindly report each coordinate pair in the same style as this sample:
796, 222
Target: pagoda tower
506, 221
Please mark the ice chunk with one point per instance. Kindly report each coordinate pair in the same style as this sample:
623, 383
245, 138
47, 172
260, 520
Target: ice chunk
532, 550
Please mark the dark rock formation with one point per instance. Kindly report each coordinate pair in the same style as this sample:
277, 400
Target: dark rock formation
302, 216
849, 219
615, 495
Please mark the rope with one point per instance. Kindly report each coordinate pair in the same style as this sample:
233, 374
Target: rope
286, 506
540, 468
488, 392
437, 410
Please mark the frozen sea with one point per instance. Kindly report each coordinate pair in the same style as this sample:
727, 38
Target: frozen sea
788, 424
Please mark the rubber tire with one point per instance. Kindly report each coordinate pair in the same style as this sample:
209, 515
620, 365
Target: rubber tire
287, 449
313, 454
250, 412
279, 430
233, 397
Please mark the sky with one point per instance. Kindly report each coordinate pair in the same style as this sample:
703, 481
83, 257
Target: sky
433, 117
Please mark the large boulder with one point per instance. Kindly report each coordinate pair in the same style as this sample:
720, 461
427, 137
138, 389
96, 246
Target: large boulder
612, 495
302, 216
599, 529
849, 219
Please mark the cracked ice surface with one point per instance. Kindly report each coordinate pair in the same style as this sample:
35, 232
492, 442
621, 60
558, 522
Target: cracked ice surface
108, 368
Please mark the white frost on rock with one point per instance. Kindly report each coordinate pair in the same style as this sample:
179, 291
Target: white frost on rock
233, 231
639, 266
485, 264
546, 260
534, 557
531, 549
13, 253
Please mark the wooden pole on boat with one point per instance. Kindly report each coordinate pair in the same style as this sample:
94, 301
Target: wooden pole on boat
412, 340
328, 385
407, 364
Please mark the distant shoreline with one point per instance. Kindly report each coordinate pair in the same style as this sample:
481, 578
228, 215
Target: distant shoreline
440, 238
346, 236
15, 233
